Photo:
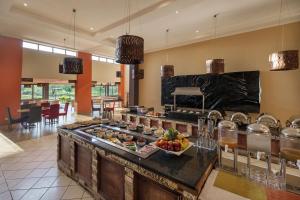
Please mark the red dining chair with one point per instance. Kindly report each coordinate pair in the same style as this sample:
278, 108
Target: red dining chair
109, 111
53, 114
44, 106
65, 112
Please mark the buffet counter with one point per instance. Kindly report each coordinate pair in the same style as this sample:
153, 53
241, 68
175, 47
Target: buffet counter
188, 126
111, 173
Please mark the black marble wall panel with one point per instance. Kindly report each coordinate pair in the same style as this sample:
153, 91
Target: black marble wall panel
236, 91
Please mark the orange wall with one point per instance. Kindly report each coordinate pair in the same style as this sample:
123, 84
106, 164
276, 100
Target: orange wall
10, 71
83, 93
122, 83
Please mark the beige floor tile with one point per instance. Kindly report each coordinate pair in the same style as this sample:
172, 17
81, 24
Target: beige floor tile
86, 195
31, 165
73, 192
16, 174
44, 182
53, 172
5, 196
37, 173
3, 187
25, 184
88, 198
54, 193
47, 164
34, 194
2, 179
62, 181
12, 183
17, 194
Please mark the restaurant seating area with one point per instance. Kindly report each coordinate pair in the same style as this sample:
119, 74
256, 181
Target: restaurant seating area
149, 100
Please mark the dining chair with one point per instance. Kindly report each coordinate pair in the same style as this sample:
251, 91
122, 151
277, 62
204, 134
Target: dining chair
65, 112
95, 108
34, 116
12, 120
109, 111
53, 114
44, 107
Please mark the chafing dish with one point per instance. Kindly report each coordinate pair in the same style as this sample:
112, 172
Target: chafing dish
271, 122
293, 122
240, 119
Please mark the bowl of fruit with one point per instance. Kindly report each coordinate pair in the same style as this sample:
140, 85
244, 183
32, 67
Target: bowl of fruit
173, 143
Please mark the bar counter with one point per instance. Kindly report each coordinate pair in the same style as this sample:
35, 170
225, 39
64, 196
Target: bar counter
111, 173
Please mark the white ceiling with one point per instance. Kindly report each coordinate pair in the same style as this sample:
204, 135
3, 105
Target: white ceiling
50, 21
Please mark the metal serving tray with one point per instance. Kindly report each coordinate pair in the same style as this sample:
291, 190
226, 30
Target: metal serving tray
137, 153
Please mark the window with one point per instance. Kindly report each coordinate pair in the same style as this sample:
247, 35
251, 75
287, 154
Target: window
62, 92
110, 60
29, 45
95, 58
59, 51
31, 92
102, 59
26, 92
45, 48
71, 53
113, 90
98, 91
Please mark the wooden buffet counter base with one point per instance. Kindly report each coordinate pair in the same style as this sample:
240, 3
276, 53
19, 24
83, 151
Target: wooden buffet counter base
190, 127
110, 173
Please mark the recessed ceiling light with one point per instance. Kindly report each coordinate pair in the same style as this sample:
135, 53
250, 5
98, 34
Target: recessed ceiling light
25, 4
92, 28
176, 11
197, 31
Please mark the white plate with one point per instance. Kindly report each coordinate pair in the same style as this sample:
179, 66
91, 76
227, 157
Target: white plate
177, 153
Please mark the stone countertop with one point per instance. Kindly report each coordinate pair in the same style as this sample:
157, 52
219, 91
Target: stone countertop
187, 169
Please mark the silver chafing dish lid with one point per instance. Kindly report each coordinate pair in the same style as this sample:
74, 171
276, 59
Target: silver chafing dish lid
291, 132
227, 124
258, 129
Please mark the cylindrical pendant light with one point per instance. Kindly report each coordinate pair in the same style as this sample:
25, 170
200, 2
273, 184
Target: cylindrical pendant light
130, 49
71, 65
215, 65
285, 59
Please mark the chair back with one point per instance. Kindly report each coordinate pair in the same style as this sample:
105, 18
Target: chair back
54, 110
45, 104
9, 117
66, 107
35, 114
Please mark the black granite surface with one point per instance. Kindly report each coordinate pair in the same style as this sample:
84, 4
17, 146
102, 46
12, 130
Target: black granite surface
186, 169
236, 91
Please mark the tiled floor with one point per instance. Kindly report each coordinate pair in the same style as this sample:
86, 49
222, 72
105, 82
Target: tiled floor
28, 168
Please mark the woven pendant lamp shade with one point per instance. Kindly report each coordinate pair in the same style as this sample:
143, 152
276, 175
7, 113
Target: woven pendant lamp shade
284, 60
71, 65
129, 49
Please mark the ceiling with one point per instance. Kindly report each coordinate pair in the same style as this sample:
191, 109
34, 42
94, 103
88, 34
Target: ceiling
99, 22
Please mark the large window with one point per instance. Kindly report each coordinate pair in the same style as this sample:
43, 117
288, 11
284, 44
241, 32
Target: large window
31, 92
62, 92
105, 90
113, 90
98, 91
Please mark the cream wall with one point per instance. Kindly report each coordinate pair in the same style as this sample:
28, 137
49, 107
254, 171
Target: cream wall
37, 64
243, 52
105, 72
42, 65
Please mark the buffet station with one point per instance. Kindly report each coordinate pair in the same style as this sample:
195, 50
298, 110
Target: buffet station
121, 160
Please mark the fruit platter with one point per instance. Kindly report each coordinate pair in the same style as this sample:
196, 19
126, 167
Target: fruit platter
172, 142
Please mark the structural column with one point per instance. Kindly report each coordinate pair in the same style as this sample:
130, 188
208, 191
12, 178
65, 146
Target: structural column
133, 85
11, 73
83, 94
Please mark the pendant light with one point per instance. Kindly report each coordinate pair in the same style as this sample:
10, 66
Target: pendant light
72, 65
167, 70
285, 59
129, 48
215, 65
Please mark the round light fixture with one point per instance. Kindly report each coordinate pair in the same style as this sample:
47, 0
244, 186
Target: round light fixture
25, 4
129, 49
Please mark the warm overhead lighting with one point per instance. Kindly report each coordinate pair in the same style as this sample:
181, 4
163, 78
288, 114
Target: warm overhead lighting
92, 28
197, 31
25, 4
176, 11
